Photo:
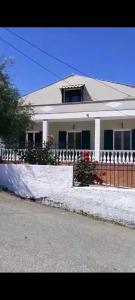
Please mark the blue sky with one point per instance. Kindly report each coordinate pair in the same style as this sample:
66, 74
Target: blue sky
104, 53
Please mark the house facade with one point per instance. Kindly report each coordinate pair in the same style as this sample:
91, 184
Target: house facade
83, 113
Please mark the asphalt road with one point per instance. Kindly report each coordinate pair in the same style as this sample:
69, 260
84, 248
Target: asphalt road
36, 238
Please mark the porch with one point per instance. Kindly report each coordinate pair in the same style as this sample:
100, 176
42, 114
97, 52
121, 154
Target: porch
106, 140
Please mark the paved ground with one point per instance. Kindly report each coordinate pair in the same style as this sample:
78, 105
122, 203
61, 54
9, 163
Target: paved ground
35, 238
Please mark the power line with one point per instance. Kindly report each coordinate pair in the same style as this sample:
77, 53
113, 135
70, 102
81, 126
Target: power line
63, 62
33, 60
43, 51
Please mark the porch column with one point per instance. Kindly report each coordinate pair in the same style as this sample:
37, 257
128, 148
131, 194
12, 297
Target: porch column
97, 139
26, 138
45, 131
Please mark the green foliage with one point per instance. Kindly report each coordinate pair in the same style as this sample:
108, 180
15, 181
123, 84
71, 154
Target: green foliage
85, 171
41, 156
15, 118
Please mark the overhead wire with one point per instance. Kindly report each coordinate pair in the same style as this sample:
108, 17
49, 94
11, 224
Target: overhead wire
33, 60
51, 72
62, 61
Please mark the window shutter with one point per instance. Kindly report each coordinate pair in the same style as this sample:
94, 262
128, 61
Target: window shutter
86, 139
62, 139
108, 139
133, 139
38, 138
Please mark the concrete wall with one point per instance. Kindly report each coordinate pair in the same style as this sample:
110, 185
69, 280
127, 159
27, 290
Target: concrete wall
33, 180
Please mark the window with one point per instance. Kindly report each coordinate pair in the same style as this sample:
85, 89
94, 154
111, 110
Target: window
74, 140
34, 138
122, 140
72, 95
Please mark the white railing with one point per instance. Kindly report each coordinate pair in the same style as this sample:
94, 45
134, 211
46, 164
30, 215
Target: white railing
65, 155
11, 154
70, 155
105, 156
117, 156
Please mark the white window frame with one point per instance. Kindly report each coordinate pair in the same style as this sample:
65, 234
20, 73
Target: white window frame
71, 89
31, 131
122, 129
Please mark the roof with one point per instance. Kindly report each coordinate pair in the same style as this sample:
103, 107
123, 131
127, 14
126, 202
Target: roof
95, 90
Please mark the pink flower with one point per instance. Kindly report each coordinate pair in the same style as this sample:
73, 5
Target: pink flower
85, 154
50, 137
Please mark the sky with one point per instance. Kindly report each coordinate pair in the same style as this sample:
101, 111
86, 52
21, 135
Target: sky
102, 53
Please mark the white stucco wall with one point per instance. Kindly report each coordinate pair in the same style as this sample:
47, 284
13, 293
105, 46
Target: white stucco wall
53, 185
35, 180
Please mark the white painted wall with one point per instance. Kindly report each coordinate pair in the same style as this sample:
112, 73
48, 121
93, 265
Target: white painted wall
33, 180
53, 184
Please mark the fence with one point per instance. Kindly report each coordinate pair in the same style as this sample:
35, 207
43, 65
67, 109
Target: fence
119, 173
116, 175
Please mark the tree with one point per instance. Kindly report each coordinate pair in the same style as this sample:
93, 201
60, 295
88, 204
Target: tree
15, 117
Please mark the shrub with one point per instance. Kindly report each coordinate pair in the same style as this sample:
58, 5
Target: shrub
85, 171
41, 156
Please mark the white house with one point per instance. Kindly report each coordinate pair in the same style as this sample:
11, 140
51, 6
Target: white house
84, 113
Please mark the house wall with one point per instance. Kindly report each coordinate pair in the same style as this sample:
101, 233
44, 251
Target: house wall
115, 124
37, 126
55, 127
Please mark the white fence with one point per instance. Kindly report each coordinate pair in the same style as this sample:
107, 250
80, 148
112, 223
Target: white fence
117, 156
65, 155
11, 154
71, 155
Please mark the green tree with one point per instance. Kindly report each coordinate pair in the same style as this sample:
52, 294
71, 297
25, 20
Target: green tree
15, 117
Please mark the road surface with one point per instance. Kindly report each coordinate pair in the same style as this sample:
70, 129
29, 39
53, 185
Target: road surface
36, 238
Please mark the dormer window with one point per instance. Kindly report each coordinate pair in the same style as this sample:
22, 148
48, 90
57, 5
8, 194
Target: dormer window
72, 94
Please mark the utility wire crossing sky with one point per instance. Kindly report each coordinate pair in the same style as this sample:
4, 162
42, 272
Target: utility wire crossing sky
42, 54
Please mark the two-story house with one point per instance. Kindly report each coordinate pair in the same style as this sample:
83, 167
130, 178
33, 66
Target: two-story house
85, 113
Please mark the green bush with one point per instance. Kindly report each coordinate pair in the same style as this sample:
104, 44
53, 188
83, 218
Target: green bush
41, 156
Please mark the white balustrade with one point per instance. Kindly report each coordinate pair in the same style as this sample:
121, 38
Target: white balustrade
71, 155
117, 156
11, 154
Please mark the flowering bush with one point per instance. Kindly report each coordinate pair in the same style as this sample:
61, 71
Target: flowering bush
85, 171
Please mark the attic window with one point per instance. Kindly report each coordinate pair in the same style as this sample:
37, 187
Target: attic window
72, 95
